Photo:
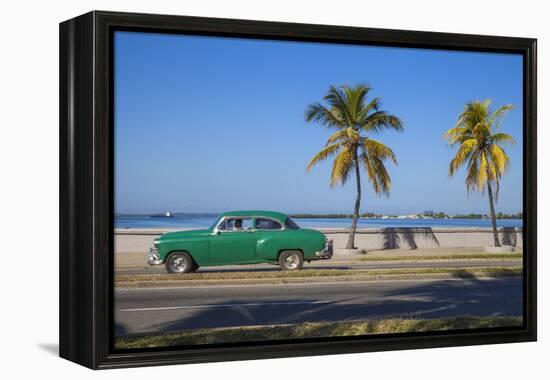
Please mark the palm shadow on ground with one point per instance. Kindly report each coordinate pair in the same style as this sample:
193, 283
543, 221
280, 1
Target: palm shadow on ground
508, 236
446, 298
393, 237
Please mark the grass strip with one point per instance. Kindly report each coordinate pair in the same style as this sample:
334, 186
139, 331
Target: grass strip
311, 330
310, 273
486, 256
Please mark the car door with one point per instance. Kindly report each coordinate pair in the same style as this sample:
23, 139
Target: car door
270, 238
231, 244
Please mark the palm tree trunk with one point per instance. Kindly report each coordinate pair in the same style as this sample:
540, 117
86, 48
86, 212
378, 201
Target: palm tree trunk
493, 215
351, 238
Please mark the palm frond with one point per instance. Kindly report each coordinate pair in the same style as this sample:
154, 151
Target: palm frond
499, 159
496, 116
341, 167
371, 107
381, 120
457, 135
472, 174
339, 136
377, 149
481, 130
377, 174
371, 173
499, 138
336, 100
485, 104
463, 153
318, 113
474, 112
482, 173
383, 175
322, 155
355, 97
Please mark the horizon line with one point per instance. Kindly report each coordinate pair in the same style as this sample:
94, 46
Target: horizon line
311, 213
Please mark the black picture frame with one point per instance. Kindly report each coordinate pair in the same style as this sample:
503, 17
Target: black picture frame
86, 187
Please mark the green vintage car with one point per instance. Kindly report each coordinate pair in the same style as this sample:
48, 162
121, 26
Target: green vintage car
241, 237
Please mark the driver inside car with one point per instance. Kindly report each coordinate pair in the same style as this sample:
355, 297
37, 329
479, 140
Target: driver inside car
238, 225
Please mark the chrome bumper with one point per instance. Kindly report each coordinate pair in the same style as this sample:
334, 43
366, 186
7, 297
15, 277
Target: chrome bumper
327, 252
154, 258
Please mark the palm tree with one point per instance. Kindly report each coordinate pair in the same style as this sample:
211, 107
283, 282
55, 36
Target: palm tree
479, 145
351, 116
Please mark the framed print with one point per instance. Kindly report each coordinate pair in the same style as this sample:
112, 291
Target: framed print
235, 189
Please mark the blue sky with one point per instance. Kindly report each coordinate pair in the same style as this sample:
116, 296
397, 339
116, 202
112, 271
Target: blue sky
207, 124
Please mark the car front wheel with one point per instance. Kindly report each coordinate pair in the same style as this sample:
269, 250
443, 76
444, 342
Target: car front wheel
179, 262
291, 260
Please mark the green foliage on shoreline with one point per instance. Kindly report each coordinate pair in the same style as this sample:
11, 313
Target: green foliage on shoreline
499, 215
425, 214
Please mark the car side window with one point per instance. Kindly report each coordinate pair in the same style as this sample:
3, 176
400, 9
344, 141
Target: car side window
222, 226
237, 224
267, 224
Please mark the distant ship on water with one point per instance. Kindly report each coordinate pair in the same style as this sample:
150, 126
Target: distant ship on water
167, 214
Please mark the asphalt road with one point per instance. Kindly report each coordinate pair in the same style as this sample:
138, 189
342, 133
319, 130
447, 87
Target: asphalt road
342, 265
162, 310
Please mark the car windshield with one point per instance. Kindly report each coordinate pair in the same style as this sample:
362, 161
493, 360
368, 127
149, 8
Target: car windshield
291, 225
215, 223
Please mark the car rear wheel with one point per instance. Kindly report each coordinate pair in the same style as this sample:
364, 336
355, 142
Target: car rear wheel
180, 262
291, 260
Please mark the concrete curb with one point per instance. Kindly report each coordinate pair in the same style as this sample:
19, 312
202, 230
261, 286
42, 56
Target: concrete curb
502, 249
313, 280
345, 253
